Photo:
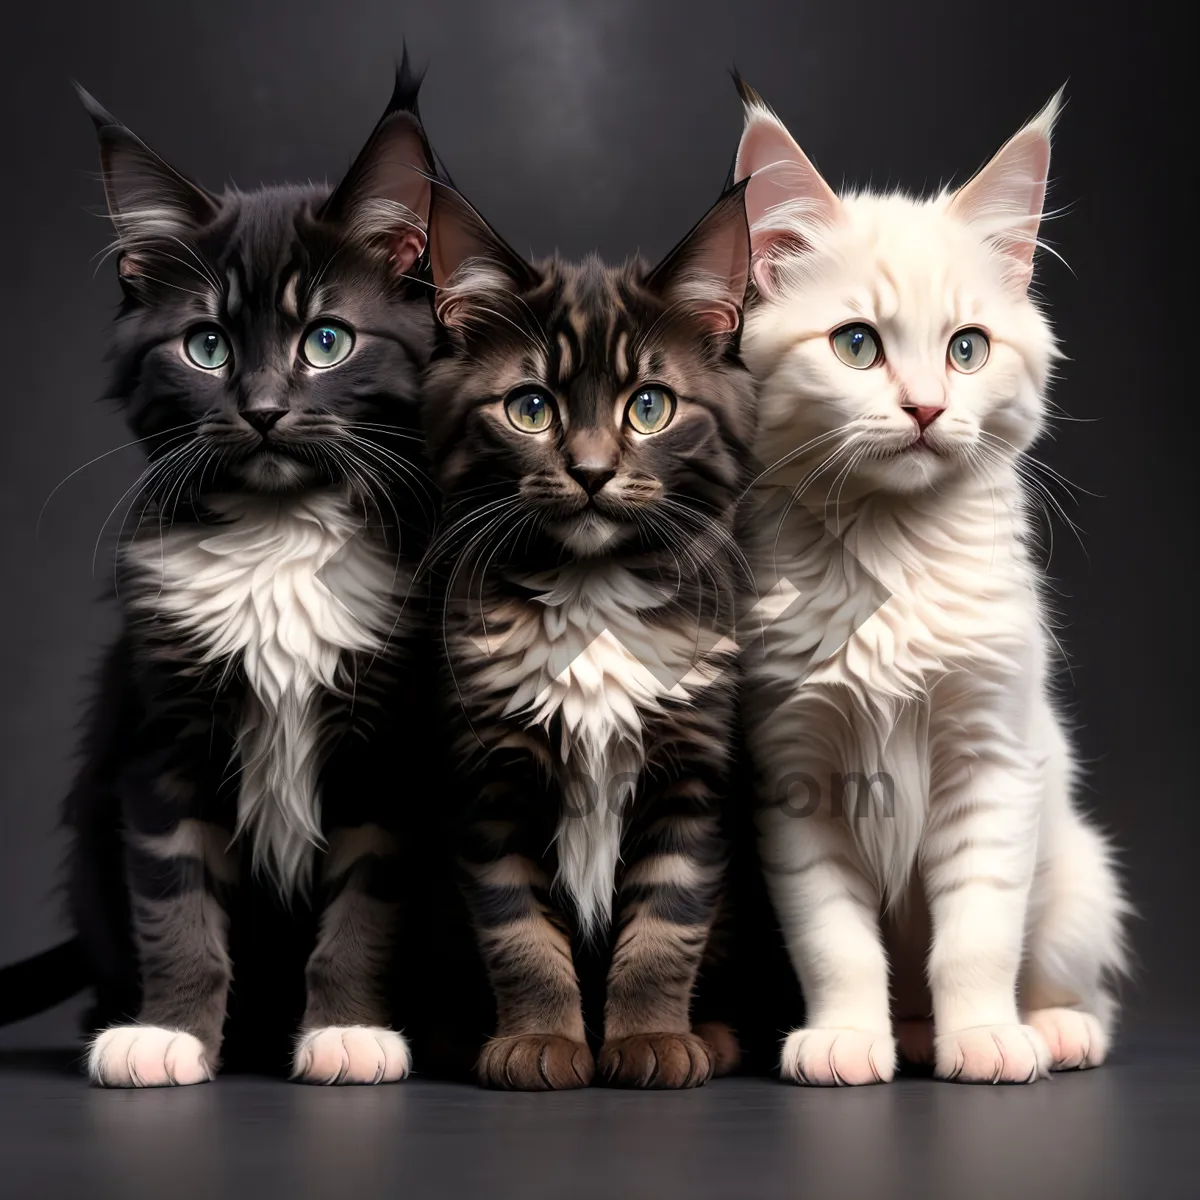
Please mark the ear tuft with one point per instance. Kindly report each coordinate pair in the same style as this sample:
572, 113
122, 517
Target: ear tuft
707, 273
384, 198
408, 85
148, 200
787, 200
468, 258
748, 95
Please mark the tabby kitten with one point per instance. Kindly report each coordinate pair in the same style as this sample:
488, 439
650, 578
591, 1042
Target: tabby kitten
961, 901
268, 353
589, 427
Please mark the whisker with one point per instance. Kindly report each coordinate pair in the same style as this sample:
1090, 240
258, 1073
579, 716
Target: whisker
100, 457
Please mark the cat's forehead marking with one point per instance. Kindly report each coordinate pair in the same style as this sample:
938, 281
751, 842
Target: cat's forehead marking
887, 293
621, 354
233, 292
566, 358
289, 296
576, 319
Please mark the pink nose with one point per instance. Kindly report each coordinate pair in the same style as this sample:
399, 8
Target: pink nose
922, 414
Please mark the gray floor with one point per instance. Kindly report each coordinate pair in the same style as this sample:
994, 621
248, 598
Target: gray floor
1127, 1130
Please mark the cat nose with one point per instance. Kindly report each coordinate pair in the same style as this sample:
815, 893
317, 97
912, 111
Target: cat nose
590, 476
924, 414
263, 420
592, 457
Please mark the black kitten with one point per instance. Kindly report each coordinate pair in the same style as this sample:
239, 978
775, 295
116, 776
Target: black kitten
589, 426
268, 352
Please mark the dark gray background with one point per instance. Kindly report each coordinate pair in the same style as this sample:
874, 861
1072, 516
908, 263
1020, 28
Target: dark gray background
612, 125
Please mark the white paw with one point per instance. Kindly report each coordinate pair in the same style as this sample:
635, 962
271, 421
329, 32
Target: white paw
351, 1054
991, 1054
1076, 1039
146, 1056
838, 1057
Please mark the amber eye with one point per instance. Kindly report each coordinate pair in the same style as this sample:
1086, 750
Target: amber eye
530, 410
858, 346
650, 409
968, 350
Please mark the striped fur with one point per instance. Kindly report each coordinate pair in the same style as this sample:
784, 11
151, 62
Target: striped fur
589, 667
255, 705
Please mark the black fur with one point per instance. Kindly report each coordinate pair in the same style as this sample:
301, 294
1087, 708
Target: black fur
263, 269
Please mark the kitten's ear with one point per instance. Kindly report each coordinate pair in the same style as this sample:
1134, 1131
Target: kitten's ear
468, 258
1006, 197
148, 200
384, 198
787, 199
707, 273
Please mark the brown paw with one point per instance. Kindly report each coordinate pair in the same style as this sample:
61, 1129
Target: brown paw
656, 1060
722, 1044
535, 1062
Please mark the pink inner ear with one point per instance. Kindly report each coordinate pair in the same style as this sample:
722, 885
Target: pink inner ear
763, 279
128, 267
1007, 196
719, 317
768, 247
406, 247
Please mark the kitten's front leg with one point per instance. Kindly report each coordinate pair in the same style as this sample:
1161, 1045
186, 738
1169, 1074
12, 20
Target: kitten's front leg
344, 1035
828, 910
540, 1043
977, 862
665, 905
176, 868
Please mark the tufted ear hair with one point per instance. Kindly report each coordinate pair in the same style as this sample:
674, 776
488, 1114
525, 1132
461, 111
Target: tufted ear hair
787, 198
150, 202
468, 259
1006, 197
707, 273
385, 196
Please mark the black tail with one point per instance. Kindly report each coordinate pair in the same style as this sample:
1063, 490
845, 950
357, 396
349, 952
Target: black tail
43, 981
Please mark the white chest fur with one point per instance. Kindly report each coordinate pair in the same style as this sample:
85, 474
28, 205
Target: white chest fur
913, 591
923, 620
583, 651
283, 589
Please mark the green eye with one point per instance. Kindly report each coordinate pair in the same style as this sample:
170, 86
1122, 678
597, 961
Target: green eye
326, 345
969, 350
650, 410
530, 411
207, 348
857, 346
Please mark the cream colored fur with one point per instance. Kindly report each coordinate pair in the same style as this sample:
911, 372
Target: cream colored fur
984, 898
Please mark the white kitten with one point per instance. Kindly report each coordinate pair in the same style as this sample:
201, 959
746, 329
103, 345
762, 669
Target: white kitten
902, 368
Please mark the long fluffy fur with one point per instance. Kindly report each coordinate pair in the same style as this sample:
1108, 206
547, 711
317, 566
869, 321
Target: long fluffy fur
285, 589
587, 634
939, 681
